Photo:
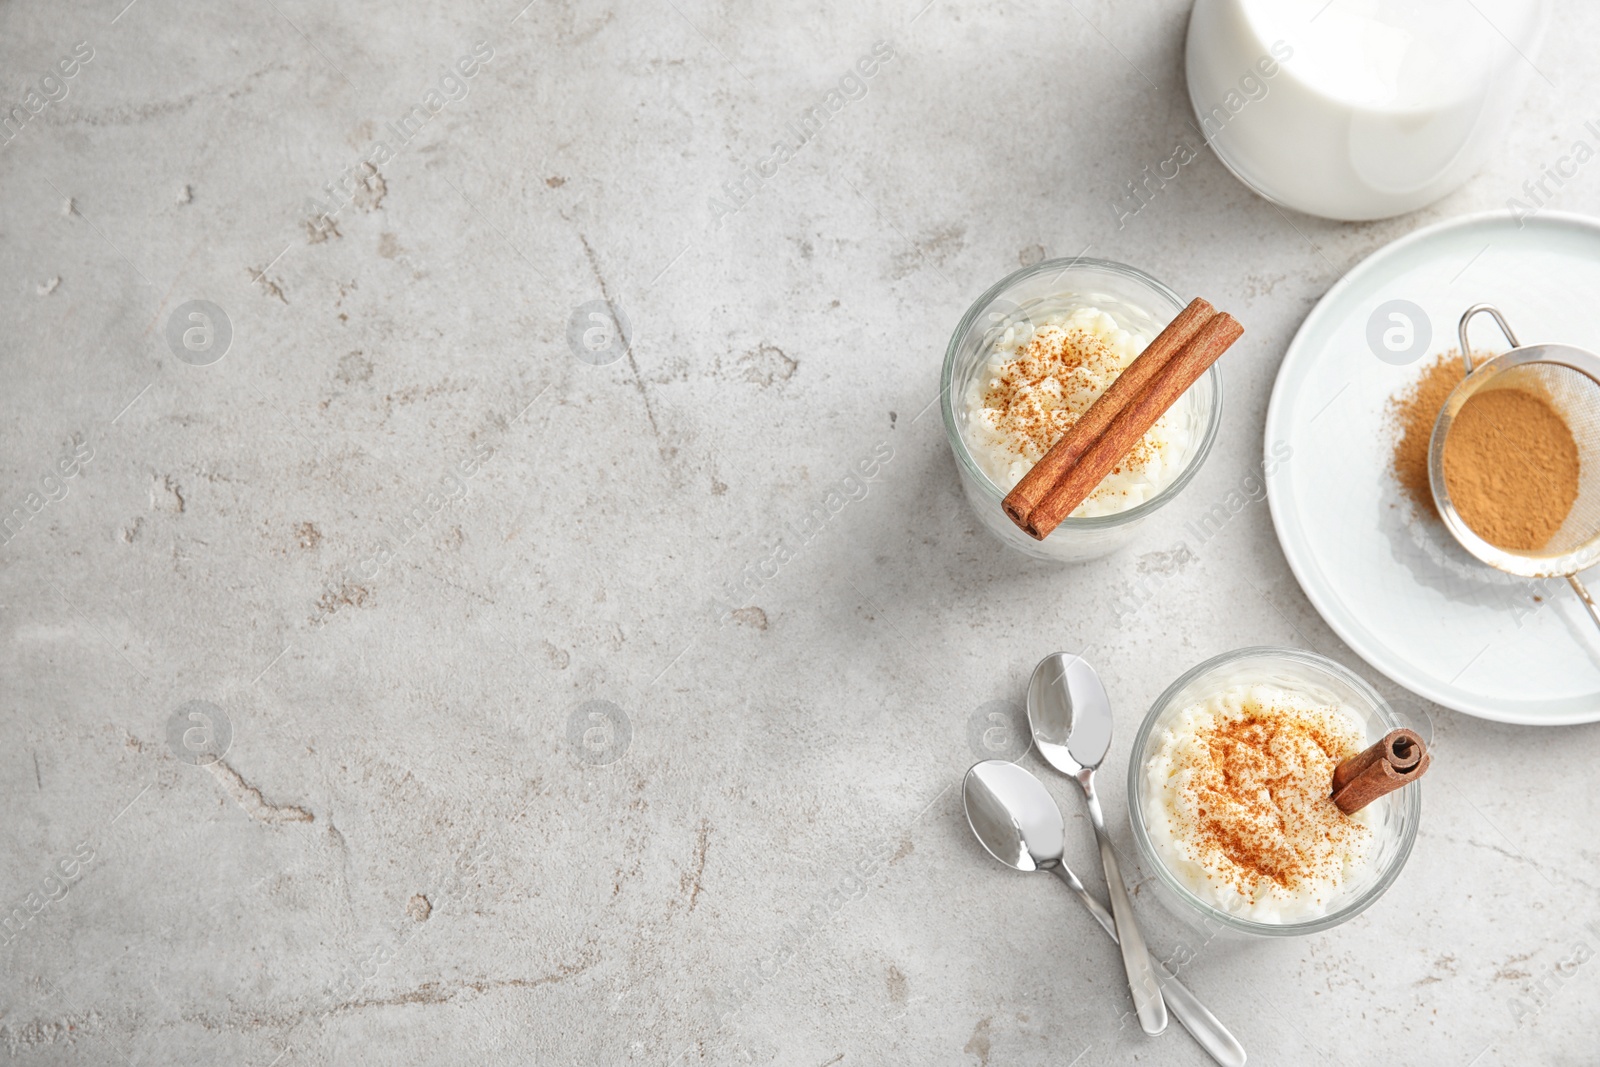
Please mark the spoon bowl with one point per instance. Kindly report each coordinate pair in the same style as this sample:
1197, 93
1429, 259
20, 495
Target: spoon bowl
1013, 816
1069, 714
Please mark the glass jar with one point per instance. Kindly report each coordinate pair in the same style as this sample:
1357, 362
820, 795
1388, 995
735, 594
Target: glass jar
1140, 304
1358, 111
1396, 815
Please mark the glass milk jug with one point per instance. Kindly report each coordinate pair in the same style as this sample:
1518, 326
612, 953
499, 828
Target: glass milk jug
1358, 109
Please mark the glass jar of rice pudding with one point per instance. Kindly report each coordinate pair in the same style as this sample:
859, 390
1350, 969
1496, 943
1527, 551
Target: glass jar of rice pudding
1229, 785
1028, 359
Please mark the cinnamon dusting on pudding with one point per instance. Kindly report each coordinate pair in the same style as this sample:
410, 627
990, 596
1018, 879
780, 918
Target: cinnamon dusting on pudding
1040, 378
1244, 786
1037, 397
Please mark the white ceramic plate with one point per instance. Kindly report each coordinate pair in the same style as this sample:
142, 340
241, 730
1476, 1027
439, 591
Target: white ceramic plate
1396, 588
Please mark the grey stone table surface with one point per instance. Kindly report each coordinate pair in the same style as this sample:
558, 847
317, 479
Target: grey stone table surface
397, 667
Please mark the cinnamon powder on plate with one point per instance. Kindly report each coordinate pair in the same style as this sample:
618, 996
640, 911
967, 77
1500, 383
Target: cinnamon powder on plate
1511, 465
1413, 412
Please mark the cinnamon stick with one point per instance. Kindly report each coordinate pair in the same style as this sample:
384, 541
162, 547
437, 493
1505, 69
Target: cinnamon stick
1399, 759
1036, 484
1133, 422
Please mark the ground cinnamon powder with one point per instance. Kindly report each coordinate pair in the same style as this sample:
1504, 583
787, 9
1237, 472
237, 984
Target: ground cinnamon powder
1511, 466
1510, 462
1413, 412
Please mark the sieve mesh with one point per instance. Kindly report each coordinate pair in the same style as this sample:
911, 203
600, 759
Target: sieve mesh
1576, 398
1568, 379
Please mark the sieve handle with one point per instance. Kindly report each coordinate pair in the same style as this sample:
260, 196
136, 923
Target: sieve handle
1466, 354
1583, 595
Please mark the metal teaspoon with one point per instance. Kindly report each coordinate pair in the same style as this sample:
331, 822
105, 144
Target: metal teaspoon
1019, 824
1070, 716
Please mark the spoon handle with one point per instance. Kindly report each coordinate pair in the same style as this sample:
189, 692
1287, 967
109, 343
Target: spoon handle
1147, 1000
1195, 1016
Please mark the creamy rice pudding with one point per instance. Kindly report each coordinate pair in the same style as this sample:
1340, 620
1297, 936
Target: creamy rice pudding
1039, 379
1237, 806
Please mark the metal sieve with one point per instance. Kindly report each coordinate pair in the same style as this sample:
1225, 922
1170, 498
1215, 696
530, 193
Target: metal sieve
1569, 379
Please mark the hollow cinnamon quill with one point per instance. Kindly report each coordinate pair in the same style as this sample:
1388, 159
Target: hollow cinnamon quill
1133, 422
1037, 483
1399, 759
